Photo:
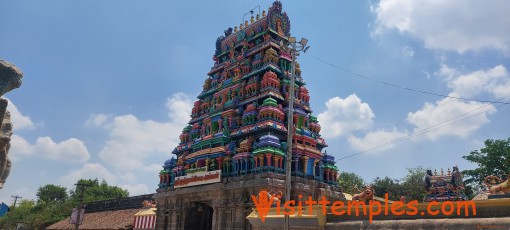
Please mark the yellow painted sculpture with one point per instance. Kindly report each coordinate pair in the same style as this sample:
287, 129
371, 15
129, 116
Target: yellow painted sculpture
494, 188
366, 195
271, 56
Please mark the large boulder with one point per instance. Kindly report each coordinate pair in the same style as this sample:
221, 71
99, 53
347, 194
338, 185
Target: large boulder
10, 78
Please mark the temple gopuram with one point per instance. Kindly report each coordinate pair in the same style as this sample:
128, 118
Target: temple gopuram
235, 143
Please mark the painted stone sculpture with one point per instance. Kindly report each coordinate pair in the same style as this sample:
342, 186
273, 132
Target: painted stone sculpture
444, 187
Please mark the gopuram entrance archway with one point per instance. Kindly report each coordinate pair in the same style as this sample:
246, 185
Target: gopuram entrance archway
199, 216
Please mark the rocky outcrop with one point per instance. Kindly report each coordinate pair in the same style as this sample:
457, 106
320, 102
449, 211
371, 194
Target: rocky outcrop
10, 78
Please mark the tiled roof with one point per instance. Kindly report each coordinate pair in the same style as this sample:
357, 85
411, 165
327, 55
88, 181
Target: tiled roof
120, 219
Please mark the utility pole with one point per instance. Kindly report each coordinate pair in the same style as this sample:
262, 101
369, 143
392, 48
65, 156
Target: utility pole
80, 203
16, 197
294, 48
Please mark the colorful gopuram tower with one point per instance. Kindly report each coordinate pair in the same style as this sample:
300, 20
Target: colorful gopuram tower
235, 143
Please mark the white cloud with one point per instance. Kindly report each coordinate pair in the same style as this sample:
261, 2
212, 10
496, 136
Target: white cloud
382, 139
447, 72
179, 108
127, 176
495, 81
19, 121
437, 115
88, 171
97, 120
132, 140
153, 168
470, 115
344, 116
71, 150
138, 189
457, 25
448, 116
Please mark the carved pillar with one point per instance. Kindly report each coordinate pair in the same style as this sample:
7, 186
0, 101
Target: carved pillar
239, 218
168, 219
178, 220
220, 162
315, 162
321, 171
256, 161
268, 157
296, 163
305, 164
172, 177
215, 218
167, 178
220, 218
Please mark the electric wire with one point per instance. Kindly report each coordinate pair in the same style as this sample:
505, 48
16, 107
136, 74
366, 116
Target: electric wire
425, 130
403, 87
428, 129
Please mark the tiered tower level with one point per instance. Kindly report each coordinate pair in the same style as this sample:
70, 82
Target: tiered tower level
238, 124
235, 143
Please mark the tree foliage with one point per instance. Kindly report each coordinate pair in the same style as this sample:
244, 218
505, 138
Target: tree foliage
95, 191
52, 193
387, 185
493, 159
22, 213
412, 186
54, 204
348, 182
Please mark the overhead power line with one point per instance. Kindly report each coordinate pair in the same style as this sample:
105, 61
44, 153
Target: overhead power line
428, 129
404, 87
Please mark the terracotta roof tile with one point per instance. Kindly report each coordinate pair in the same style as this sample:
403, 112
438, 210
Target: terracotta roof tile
120, 219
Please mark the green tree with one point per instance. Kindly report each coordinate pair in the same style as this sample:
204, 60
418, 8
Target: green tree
413, 184
54, 205
348, 182
22, 213
493, 159
387, 185
52, 193
97, 191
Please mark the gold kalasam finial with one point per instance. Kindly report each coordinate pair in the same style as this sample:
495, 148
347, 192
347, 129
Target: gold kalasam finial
241, 26
246, 23
235, 29
258, 17
449, 172
263, 13
252, 19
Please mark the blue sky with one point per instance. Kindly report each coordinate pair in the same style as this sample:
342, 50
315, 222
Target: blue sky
108, 86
